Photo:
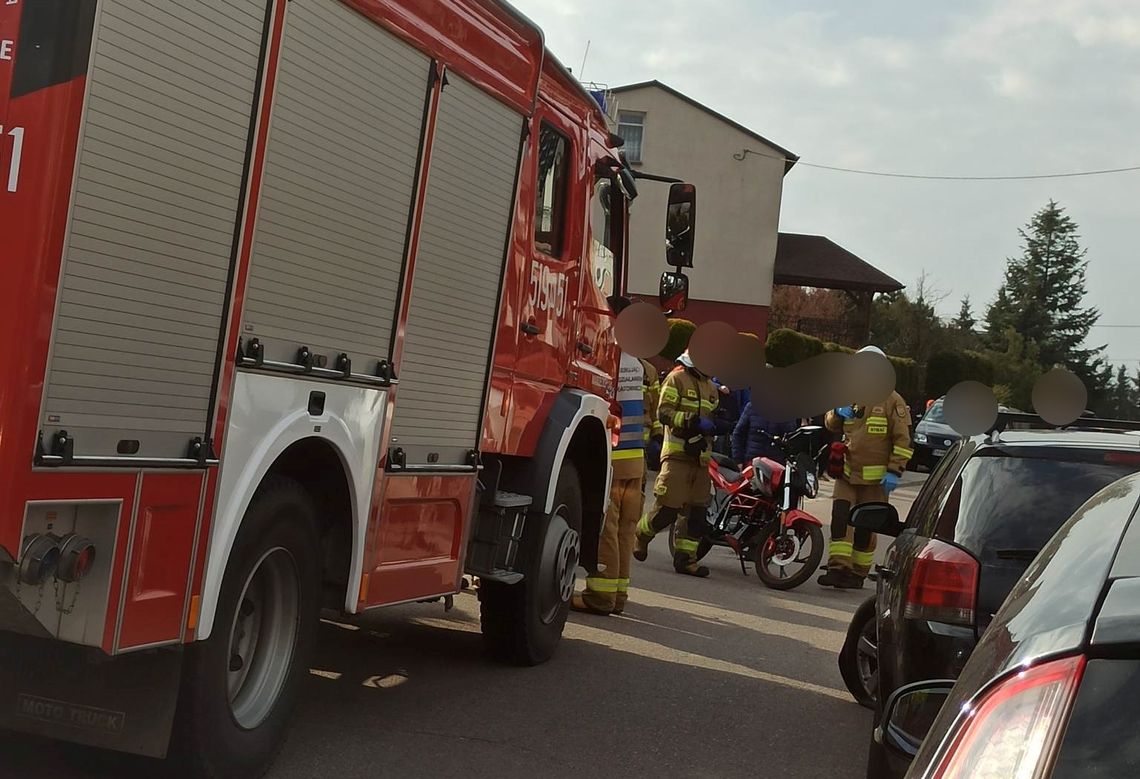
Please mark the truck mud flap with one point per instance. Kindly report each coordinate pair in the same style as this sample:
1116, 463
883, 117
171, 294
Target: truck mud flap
77, 694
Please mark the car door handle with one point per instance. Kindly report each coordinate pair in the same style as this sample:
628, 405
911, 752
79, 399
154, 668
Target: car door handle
886, 574
530, 328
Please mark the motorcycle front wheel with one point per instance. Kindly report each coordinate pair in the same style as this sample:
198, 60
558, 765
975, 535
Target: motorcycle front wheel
784, 557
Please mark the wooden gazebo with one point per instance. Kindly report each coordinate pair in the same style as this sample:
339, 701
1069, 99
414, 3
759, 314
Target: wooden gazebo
818, 262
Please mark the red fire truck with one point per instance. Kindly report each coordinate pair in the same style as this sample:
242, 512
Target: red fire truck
302, 315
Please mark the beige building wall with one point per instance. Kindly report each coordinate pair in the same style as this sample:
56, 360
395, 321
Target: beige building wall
738, 201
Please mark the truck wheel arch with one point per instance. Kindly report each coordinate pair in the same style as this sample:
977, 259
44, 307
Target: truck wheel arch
320, 466
576, 431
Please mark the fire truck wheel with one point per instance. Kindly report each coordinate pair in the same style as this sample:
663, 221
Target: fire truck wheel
241, 684
522, 623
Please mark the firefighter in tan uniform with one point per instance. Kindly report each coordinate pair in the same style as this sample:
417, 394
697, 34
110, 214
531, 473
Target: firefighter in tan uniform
688, 399
607, 588
877, 451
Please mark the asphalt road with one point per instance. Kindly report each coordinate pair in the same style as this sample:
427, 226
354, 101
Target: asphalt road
717, 677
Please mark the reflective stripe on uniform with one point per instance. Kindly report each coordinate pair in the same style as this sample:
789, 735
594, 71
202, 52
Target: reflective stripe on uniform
840, 549
708, 405
679, 419
627, 454
874, 472
644, 529
622, 585
847, 469
685, 545
601, 585
672, 447
863, 559
669, 394
903, 452
877, 425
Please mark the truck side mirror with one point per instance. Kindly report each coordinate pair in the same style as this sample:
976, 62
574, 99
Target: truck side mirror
673, 292
681, 225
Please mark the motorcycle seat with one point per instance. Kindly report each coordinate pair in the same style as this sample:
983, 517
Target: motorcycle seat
728, 469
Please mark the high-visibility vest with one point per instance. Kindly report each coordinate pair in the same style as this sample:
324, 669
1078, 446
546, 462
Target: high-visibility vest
629, 454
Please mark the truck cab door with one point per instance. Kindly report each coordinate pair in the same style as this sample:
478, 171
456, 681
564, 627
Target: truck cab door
549, 302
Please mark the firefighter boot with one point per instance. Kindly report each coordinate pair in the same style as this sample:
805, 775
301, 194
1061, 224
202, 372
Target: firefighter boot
684, 563
648, 528
579, 603
841, 579
641, 545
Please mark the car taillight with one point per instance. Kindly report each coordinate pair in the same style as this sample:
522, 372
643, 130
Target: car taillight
1013, 731
943, 585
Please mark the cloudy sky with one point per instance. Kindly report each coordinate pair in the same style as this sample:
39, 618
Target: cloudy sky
969, 87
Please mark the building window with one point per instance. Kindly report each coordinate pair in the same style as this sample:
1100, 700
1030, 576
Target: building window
631, 127
550, 208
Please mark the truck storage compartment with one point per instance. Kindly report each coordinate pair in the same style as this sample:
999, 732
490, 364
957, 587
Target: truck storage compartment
337, 191
457, 277
158, 191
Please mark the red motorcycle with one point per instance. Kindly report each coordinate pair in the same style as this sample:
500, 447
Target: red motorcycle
758, 512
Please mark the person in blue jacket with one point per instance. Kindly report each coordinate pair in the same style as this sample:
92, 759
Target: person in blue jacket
753, 435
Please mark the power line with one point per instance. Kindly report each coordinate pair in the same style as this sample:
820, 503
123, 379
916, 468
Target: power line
884, 174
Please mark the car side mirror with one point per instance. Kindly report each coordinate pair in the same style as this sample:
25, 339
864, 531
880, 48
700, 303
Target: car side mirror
681, 225
882, 518
908, 715
673, 292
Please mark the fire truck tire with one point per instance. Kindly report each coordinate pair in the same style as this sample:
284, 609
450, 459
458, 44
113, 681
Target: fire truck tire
522, 623
240, 685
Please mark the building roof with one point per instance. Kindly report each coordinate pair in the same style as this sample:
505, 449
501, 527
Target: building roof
816, 261
791, 157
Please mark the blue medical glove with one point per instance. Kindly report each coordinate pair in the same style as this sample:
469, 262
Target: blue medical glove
846, 412
706, 426
890, 482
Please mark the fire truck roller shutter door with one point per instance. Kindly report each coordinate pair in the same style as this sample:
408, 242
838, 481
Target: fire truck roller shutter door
338, 188
158, 188
456, 285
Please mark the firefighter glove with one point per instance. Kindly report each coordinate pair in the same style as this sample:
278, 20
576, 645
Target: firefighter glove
890, 482
706, 426
846, 412
653, 454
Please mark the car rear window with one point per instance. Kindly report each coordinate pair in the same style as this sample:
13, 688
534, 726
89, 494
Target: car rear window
1005, 507
1008, 507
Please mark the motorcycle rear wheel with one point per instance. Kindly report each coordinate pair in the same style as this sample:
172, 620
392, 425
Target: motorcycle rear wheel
776, 548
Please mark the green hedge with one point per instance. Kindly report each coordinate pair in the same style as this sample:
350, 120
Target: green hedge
787, 347
830, 346
948, 368
907, 379
680, 331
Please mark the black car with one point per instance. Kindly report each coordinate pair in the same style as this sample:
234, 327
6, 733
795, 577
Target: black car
932, 437
1053, 689
983, 515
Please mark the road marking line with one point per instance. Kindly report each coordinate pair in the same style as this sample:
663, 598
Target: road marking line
655, 651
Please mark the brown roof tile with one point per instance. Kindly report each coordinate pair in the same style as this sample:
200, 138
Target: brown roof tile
816, 261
